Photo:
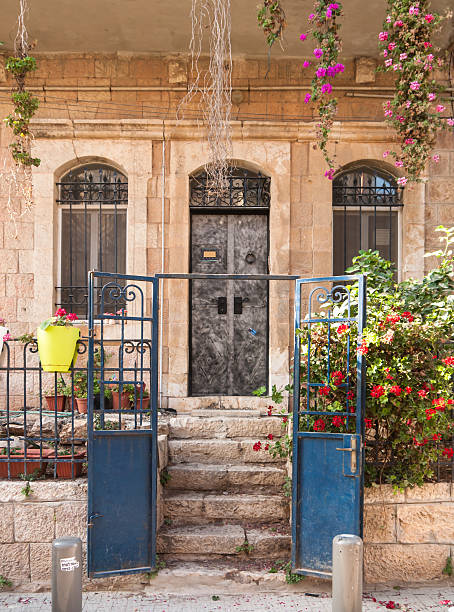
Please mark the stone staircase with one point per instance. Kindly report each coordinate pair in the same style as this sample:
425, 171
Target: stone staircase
223, 500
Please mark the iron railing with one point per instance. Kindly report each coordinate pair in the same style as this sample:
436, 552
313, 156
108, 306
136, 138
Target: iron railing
43, 432
244, 189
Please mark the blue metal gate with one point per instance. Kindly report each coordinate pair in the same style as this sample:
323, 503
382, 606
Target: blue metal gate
122, 423
328, 423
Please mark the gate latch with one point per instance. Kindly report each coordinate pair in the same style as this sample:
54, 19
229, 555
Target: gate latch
222, 305
238, 304
351, 450
92, 517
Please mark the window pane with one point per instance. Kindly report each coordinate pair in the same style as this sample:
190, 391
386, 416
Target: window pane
75, 260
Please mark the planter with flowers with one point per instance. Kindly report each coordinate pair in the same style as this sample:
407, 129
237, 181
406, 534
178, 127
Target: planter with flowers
38, 464
57, 342
57, 401
64, 468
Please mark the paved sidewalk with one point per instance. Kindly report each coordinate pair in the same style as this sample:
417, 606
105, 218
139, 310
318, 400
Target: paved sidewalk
437, 599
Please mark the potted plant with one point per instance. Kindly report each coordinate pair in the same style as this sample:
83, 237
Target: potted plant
57, 402
135, 398
57, 342
18, 467
126, 392
64, 468
80, 391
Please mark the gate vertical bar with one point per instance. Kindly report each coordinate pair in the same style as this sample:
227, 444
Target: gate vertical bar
91, 353
296, 408
154, 413
361, 386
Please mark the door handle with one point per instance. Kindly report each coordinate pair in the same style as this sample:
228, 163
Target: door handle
222, 305
238, 304
92, 517
351, 450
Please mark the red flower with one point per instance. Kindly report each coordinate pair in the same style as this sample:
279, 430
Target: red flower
368, 423
284, 419
324, 390
337, 377
392, 319
319, 425
449, 361
423, 443
270, 436
377, 391
72, 316
429, 18
60, 312
430, 412
267, 446
396, 390
408, 389
389, 377
407, 315
439, 403
257, 446
450, 402
436, 437
363, 349
351, 395
338, 421
342, 329
270, 410
448, 452
422, 393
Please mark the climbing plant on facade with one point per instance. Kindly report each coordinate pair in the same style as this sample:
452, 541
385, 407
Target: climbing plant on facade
271, 18
324, 25
16, 176
415, 110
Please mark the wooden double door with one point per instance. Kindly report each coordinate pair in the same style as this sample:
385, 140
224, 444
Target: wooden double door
229, 318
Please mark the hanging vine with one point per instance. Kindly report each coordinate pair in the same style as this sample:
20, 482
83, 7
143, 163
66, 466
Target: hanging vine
271, 18
17, 177
325, 32
213, 86
415, 110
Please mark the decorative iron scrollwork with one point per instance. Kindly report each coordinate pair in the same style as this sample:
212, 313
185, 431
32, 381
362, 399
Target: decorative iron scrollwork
245, 189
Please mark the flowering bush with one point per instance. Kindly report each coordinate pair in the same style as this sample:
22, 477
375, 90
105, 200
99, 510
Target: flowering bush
60, 318
327, 48
414, 110
410, 368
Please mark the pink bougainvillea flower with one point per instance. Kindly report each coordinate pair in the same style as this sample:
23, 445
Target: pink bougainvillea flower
306, 64
440, 108
318, 53
385, 154
339, 68
388, 19
388, 113
385, 53
303, 36
7, 337
409, 141
331, 71
392, 46
398, 23
307, 98
429, 17
415, 85
72, 316
408, 103
450, 122
383, 36
321, 72
436, 158
329, 13
402, 56
388, 62
311, 17
427, 45
399, 164
413, 10
319, 425
377, 391
334, 6
326, 88
402, 180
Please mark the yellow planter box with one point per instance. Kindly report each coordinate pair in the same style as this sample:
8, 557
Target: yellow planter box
57, 347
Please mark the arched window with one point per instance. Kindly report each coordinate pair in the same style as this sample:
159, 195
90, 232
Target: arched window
93, 201
366, 202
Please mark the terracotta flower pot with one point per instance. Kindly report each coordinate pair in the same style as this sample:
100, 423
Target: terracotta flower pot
57, 347
125, 403
18, 467
50, 399
82, 406
64, 469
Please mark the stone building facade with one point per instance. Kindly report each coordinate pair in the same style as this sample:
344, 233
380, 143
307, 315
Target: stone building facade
118, 110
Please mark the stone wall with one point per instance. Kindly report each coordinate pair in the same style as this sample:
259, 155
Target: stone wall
408, 536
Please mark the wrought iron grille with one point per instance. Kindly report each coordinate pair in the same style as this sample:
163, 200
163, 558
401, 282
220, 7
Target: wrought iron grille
93, 203
245, 188
365, 215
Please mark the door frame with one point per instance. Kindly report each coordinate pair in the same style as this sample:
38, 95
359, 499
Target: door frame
225, 210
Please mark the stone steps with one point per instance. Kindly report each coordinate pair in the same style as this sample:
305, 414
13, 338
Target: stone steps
218, 426
231, 403
220, 451
200, 508
248, 478
203, 541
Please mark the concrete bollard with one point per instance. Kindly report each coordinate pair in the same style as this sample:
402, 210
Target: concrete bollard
67, 575
347, 573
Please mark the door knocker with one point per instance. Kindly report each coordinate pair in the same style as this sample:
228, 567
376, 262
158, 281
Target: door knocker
250, 258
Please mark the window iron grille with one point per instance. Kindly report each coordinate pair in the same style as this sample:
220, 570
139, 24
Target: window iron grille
245, 189
365, 215
93, 203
